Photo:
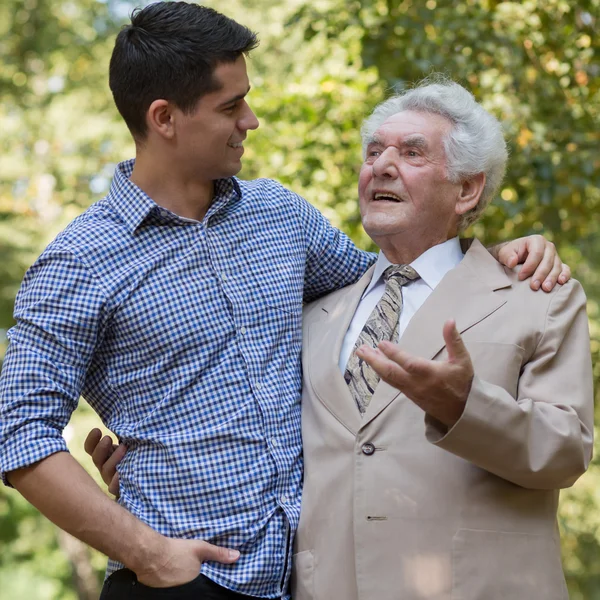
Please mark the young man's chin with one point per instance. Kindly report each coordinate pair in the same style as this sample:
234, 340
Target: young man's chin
235, 168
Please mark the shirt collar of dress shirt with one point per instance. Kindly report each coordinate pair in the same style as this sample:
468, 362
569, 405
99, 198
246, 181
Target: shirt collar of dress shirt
432, 265
134, 205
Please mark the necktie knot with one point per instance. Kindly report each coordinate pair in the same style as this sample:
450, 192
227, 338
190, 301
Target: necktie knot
402, 274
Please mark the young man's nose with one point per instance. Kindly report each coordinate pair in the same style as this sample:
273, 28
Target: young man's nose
248, 119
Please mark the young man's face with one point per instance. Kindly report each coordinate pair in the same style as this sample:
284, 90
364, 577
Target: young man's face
210, 139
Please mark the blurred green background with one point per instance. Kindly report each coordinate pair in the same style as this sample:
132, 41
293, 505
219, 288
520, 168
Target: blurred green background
321, 67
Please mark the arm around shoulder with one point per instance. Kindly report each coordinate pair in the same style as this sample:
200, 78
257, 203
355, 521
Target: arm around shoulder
332, 259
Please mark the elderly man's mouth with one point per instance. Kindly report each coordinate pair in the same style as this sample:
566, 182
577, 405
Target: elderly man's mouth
386, 197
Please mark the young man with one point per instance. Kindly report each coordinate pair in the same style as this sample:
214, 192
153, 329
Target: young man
173, 306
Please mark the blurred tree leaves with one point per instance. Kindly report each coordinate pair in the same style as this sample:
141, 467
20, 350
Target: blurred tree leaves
59, 129
321, 67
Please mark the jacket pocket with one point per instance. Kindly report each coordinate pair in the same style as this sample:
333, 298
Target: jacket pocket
303, 564
497, 565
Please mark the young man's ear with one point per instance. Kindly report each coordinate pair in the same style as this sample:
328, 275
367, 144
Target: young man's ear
160, 119
470, 193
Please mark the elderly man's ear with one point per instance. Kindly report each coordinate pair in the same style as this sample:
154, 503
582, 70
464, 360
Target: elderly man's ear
470, 193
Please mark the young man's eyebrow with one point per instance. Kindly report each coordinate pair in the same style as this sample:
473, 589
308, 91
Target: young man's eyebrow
234, 99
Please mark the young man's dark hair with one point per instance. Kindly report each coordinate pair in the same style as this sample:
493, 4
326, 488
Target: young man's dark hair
170, 51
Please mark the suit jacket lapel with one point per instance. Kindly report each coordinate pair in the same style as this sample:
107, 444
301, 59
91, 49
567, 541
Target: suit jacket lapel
465, 294
325, 336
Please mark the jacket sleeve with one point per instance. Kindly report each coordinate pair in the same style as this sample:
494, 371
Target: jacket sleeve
542, 439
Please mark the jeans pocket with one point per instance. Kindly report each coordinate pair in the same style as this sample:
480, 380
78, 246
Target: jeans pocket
185, 591
119, 586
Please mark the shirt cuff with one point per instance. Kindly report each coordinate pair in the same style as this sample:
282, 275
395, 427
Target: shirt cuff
28, 446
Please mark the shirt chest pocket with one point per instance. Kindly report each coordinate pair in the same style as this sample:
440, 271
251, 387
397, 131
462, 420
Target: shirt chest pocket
280, 283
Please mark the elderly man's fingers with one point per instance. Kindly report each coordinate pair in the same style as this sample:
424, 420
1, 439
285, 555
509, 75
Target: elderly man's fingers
91, 441
113, 488
412, 365
103, 451
386, 368
457, 351
535, 250
109, 468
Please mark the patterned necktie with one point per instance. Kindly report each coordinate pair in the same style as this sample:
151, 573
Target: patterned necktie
382, 324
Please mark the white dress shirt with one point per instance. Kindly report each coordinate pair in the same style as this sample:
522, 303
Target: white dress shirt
432, 265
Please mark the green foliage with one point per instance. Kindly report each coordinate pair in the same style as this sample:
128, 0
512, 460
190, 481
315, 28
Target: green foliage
321, 67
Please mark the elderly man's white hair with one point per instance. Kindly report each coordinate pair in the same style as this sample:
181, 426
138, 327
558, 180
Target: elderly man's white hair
474, 145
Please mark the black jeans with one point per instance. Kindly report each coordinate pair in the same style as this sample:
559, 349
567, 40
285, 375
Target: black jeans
123, 585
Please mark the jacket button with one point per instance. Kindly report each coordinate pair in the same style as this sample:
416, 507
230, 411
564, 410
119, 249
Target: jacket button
368, 449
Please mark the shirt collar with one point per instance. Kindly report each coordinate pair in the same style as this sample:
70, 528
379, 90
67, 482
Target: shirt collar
134, 205
432, 265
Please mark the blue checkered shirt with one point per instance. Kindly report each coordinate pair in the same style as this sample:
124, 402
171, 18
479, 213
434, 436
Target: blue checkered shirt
185, 337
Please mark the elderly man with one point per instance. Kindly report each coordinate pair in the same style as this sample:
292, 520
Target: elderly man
442, 481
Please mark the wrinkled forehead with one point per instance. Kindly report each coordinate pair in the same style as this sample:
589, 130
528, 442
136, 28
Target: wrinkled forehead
413, 125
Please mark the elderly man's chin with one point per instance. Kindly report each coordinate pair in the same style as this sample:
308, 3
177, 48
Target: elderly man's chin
380, 224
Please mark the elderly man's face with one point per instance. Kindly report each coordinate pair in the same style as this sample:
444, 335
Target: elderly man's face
403, 188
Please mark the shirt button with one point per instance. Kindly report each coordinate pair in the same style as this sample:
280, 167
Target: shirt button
273, 442
242, 330
368, 449
284, 499
224, 277
258, 387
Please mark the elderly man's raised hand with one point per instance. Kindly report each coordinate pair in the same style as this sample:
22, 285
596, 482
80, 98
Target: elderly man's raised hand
539, 259
440, 388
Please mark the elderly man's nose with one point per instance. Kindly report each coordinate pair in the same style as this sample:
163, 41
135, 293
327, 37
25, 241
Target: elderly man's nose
384, 166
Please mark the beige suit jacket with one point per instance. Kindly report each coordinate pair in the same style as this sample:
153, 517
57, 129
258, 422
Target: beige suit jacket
465, 514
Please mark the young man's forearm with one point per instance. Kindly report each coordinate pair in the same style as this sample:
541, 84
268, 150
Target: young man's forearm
64, 492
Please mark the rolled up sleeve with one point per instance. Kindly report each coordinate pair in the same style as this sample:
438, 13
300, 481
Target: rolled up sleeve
60, 317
